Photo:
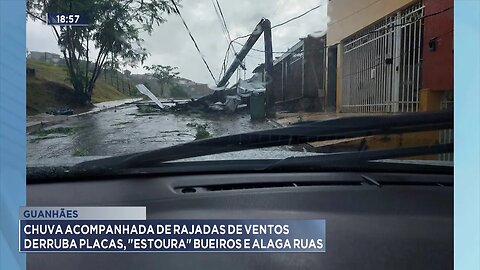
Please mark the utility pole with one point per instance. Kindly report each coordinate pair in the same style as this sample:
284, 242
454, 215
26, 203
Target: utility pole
265, 28
252, 39
270, 98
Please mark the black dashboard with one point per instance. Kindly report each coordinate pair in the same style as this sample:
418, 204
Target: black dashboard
373, 220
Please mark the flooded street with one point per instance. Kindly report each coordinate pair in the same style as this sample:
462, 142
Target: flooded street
124, 130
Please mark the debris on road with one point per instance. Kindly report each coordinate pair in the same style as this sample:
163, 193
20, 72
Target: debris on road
231, 100
60, 111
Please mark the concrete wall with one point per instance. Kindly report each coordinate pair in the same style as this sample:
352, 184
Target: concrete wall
348, 17
296, 77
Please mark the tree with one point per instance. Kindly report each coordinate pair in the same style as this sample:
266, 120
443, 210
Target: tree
113, 32
179, 91
165, 75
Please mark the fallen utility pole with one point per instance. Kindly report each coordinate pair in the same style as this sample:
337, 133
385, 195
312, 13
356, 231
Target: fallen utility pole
270, 102
252, 39
263, 27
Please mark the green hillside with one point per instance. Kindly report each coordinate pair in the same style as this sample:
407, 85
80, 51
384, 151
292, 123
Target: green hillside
50, 88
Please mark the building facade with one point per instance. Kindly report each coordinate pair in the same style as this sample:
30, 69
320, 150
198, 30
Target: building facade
390, 56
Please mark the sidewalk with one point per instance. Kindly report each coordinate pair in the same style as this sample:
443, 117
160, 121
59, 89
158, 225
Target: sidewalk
44, 120
287, 119
391, 141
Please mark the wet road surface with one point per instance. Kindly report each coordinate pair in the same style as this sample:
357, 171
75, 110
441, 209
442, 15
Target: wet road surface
125, 130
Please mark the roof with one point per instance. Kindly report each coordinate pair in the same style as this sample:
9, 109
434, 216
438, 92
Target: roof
295, 47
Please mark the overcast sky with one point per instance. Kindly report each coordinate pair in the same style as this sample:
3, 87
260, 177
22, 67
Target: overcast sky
170, 44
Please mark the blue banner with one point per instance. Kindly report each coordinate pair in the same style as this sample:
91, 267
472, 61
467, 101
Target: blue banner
71, 19
12, 129
172, 236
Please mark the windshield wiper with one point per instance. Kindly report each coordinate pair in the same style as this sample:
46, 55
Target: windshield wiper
361, 161
341, 128
358, 158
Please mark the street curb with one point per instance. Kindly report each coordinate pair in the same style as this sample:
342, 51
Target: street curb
60, 119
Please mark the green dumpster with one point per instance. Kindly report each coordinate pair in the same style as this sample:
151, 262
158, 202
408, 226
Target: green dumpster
257, 106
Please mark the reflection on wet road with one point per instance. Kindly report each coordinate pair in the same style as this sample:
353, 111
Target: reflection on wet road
125, 130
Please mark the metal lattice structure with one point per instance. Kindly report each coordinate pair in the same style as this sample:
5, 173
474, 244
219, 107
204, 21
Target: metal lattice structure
382, 64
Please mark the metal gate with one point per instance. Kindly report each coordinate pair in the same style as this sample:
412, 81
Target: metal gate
288, 73
446, 135
381, 64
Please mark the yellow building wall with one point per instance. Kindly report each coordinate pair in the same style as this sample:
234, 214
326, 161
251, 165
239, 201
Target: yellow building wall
349, 16
430, 101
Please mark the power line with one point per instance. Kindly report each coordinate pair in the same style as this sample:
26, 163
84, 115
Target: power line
285, 22
227, 33
262, 51
230, 45
297, 17
403, 54
316, 7
377, 30
446, 33
222, 21
275, 26
224, 63
404, 24
36, 17
348, 16
193, 39
438, 12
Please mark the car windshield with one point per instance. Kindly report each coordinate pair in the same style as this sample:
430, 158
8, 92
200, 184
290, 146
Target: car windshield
112, 78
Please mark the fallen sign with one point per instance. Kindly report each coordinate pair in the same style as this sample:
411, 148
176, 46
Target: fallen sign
144, 90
